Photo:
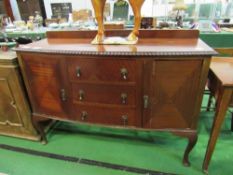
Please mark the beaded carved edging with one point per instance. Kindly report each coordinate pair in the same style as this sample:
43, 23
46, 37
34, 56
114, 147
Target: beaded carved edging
94, 53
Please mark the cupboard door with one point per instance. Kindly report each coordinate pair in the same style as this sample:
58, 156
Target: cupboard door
172, 89
47, 89
10, 114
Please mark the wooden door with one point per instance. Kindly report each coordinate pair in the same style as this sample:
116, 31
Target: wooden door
46, 84
172, 88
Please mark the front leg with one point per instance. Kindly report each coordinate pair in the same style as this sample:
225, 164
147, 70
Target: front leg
98, 6
136, 7
192, 140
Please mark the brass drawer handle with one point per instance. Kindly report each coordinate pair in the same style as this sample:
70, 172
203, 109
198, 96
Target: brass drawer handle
63, 95
81, 95
124, 73
78, 72
124, 98
84, 115
125, 119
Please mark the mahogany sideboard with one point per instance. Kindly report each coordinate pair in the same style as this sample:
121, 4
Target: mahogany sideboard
15, 114
155, 85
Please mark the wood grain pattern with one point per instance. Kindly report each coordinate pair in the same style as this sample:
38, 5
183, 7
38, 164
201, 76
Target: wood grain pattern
45, 83
223, 68
161, 73
108, 94
172, 89
149, 34
105, 115
154, 43
101, 70
15, 114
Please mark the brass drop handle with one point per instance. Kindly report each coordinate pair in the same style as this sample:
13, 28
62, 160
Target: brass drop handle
84, 115
125, 120
78, 72
81, 95
146, 101
124, 73
124, 98
63, 95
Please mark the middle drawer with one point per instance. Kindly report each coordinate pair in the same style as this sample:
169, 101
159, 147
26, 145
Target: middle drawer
107, 94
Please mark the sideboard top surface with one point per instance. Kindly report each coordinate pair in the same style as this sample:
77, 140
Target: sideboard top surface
170, 45
8, 57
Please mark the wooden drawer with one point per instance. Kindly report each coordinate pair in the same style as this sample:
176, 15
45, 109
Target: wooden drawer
104, 115
103, 70
108, 94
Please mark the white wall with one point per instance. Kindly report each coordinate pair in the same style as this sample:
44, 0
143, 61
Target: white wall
86, 4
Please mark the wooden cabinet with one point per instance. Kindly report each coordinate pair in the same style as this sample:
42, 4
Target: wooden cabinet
15, 115
154, 85
172, 87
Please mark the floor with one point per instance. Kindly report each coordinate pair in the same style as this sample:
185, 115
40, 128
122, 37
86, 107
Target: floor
85, 150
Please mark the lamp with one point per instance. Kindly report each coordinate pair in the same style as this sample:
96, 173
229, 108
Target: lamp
179, 6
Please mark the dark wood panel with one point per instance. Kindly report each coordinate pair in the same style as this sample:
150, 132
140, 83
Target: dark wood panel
48, 91
172, 87
107, 94
144, 34
101, 70
27, 8
104, 115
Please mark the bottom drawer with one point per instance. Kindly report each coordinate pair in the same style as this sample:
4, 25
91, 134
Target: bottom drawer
104, 115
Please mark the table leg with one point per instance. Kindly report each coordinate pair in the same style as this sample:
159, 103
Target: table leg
222, 105
209, 102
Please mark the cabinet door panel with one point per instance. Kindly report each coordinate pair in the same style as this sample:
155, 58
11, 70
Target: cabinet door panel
9, 114
172, 88
45, 83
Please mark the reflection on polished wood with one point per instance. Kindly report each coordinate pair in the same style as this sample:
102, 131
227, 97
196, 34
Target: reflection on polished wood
220, 84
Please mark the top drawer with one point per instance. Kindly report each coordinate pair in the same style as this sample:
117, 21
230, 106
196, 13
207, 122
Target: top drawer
101, 70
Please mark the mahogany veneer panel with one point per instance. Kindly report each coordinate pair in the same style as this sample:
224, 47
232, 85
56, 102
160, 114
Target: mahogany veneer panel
46, 84
104, 94
105, 115
173, 88
101, 70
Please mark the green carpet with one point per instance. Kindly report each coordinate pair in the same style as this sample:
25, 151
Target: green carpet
148, 150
